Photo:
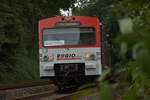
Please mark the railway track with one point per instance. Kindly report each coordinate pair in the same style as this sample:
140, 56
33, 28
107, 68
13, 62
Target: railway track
35, 91
52, 95
23, 85
78, 95
12, 92
39, 96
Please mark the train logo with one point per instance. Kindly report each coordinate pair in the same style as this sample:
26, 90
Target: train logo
66, 55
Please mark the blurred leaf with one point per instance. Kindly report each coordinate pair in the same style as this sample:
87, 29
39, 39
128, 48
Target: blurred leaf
144, 61
87, 85
126, 25
104, 75
123, 49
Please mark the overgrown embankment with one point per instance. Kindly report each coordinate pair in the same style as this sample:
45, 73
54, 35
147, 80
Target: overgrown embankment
19, 37
127, 24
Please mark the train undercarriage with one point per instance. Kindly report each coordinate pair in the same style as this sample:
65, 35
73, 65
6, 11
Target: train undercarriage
69, 76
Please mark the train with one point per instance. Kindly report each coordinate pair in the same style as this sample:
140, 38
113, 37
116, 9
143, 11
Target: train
71, 50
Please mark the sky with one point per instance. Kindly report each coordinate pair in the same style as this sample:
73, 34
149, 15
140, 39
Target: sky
66, 12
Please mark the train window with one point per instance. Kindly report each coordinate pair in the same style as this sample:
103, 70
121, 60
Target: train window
69, 36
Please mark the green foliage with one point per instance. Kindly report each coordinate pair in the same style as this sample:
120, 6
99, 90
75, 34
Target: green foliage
87, 85
21, 71
130, 95
104, 75
19, 36
143, 61
106, 92
131, 45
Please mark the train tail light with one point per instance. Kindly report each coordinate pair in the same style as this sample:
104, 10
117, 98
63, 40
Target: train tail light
89, 56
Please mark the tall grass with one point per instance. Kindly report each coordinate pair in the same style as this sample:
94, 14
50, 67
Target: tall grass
25, 69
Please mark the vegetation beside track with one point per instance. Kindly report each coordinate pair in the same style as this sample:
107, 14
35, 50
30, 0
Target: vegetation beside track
127, 24
83, 93
24, 70
19, 37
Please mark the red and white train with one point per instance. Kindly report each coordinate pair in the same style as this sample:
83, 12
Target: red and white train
70, 49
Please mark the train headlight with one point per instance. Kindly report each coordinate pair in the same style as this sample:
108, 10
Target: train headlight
45, 58
48, 58
89, 56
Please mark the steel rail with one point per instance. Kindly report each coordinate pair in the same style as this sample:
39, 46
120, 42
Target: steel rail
70, 95
36, 96
23, 85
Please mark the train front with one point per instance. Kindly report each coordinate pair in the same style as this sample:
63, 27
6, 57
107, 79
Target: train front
70, 49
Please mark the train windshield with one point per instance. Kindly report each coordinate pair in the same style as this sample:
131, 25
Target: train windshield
69, 36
